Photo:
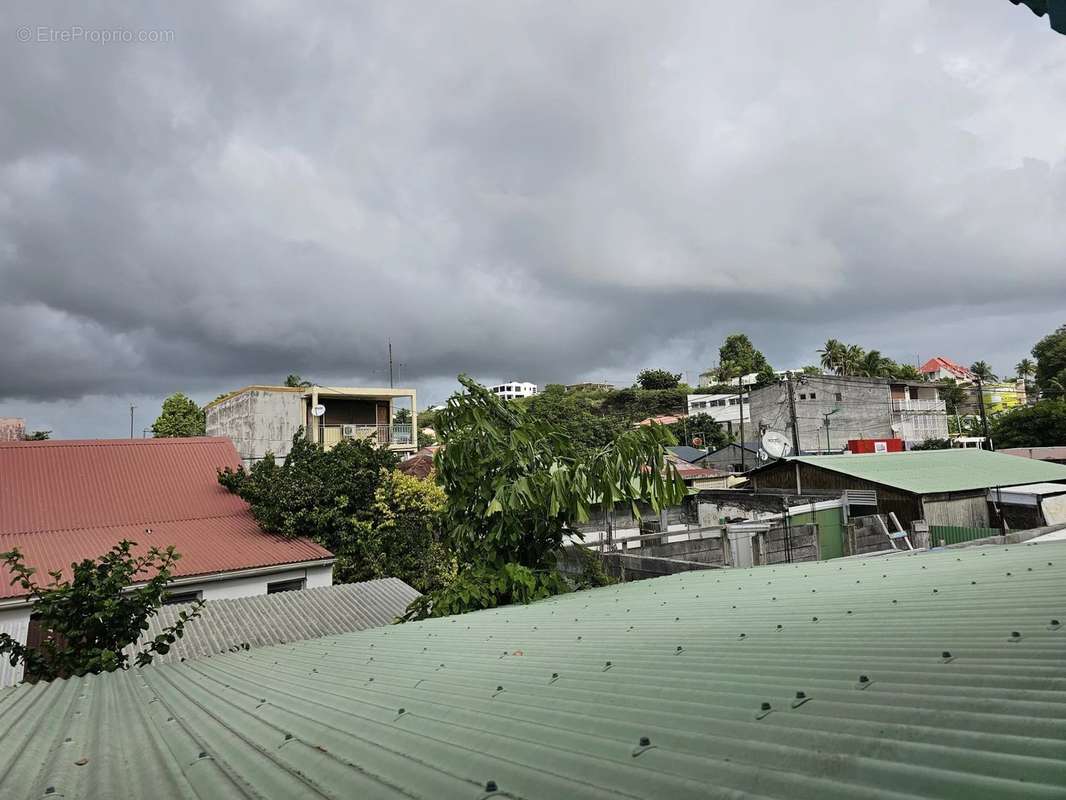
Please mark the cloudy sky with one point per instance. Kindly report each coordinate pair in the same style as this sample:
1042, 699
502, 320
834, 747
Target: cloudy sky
538, 190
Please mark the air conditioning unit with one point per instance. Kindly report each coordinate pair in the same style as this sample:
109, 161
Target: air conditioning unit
348, 431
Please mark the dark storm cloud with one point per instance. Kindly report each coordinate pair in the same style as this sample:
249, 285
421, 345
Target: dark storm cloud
518, 190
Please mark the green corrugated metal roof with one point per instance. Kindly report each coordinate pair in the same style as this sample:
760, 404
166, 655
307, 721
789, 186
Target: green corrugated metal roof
928, 471
552, 700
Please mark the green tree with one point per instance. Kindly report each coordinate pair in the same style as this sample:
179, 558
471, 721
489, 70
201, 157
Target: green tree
1025, 370
180, 417
658, 379
93, 617
516, 484
983, 371
875, 365
853, 360
295, 381
953, 395
1050, 355
904, 372
577, 415
1039, 425
738, 357
402, 416
36, 436
832, 355
702, 425
337, 497
933, 444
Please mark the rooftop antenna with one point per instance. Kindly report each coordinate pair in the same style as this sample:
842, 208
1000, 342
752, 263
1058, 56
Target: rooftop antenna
131, 419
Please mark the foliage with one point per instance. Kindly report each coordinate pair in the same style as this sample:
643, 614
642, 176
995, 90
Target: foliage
933, 444
402, 540
577, 415
832, 355
658, 379
1041, 424
633, 405
983, 371
295, 381
94, 616
953, 395
738, 357
516, 483
1025, 369
702, 425
180, 417
36, 436
852, 359
1050, 355
402, 416
349, 500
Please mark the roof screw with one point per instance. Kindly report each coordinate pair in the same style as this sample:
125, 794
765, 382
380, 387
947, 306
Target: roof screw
203, 754
895, 601
764, 706
780, 626
864, 679
288, 736
935, 591
50, 790
849, 611
401, 711
490, 786
814, 619
645, 741
678, 649
973, 583
1015, 635
945, 654
1008, 574
800, 695
743, 636
1054, 622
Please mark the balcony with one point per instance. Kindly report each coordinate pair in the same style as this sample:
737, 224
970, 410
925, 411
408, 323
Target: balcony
922, 406
396, 436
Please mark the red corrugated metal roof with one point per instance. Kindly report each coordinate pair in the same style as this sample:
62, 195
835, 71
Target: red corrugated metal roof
937, 362
62, 501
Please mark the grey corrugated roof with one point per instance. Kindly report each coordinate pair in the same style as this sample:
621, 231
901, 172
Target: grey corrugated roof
686, 453
551, 700
283, 617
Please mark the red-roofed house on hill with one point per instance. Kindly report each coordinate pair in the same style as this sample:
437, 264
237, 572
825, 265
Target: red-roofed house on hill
64, 501
940, 368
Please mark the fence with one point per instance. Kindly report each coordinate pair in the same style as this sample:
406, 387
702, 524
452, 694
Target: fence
956, 534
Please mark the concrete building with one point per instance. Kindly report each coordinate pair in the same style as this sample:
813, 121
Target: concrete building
68, 500
725, 409
12, 429
832, 409
514, 390
263, 419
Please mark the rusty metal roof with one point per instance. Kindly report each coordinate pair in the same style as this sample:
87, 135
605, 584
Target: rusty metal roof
62, 501
919, 675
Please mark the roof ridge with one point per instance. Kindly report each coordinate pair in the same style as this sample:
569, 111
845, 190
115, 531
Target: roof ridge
155, 441
239, 513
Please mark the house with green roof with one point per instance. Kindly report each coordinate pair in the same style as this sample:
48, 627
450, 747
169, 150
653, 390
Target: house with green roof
912, 675
942, 487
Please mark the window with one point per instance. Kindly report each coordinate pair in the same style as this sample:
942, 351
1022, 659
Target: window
813, 395
174, 598
839, 396
286, 586
803, 397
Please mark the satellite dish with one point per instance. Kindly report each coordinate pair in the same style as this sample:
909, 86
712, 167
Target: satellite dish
696, 441
776, 444
318, 410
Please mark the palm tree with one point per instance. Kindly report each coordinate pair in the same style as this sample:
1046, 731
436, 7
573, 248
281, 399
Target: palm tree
853, 360
1025, 369
983, 371
875, 365
832, 354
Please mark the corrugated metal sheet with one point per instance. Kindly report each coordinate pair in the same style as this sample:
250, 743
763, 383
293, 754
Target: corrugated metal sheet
62, 501
267, 619
931, 471
555, 699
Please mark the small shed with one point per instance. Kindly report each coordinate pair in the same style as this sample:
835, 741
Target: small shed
733, 457
942, 487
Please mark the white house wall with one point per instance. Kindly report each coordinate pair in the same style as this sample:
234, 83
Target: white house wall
258, 422
15, 621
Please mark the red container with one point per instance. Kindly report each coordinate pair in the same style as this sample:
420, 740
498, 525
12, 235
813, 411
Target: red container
875, 445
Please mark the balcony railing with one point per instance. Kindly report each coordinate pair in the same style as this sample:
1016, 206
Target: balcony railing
383, 435
934, 406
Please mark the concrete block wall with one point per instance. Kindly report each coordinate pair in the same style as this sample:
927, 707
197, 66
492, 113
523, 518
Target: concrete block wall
258, 422
865, 410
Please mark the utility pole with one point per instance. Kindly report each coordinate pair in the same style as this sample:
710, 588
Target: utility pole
987, 445
131, 420
792, 415
826, 416
743, 449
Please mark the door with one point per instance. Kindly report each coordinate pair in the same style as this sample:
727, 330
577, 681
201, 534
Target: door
383, 423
